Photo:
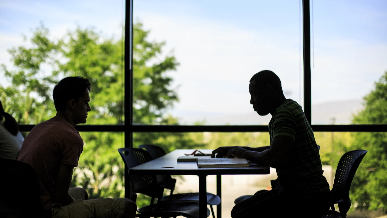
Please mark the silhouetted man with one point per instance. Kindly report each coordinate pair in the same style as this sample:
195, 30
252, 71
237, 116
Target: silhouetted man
53, 148
302, 191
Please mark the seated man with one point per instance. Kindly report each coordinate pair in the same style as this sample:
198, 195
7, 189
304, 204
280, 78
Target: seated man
53, 148
303, 190
11, 139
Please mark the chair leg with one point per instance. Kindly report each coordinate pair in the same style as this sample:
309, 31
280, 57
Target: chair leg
212, 211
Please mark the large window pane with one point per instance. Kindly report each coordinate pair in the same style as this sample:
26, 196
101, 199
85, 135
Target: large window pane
370, 172
53, 39
219, 45
101, 169
349, 49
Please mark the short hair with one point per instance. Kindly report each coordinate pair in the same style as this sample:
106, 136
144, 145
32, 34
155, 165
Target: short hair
9, 122
2, 112
67, 89
266, 77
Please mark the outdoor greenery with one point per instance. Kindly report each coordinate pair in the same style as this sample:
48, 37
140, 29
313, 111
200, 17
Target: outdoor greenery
43, 61
84, 52
369, 187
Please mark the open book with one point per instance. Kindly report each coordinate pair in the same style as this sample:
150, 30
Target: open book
222, 162
191, 158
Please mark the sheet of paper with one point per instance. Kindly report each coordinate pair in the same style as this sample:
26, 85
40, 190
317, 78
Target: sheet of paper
222, 162
192, 158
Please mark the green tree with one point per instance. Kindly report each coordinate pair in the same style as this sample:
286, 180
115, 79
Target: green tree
331, 146
152, 94
28, 98
83, 52
369, 187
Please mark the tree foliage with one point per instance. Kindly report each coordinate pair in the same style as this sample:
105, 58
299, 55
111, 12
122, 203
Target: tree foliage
84, 52
369, 187
28, 99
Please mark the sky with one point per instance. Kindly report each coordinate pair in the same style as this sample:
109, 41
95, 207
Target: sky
221, 44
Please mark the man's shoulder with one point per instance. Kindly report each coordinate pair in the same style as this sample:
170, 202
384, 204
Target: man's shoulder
291, 104
289, 108
55, 128
57, 124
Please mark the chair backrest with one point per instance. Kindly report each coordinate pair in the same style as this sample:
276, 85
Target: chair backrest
19, 190
154, 150
144, 184
165, 180
345, 172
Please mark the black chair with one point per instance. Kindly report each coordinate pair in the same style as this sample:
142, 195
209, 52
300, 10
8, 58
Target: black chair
19, 191
274, 184
168, 182
165, 180
345, 172
147, 184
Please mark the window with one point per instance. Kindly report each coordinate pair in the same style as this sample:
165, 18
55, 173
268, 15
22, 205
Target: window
348, 52
219, 45
92, 35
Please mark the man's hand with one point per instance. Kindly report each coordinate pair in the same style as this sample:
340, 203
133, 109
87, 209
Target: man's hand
221, 151
61, 185
238, 152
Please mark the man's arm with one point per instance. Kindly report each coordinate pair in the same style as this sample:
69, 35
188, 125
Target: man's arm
62, 184
275, 156
222, 151
258, 149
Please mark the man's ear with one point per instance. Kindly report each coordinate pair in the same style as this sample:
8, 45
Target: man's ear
71, 104
269, 89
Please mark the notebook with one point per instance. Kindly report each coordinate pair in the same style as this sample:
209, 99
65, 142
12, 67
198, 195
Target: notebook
222, 162
191, 158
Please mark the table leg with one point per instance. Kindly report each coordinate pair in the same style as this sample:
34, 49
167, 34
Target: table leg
202, 196
219, 193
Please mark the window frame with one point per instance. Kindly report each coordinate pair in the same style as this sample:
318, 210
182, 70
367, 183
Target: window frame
129, 128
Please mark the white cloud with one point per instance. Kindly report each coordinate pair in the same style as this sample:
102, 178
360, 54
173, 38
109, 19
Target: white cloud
347, 69
217, 61
8, 41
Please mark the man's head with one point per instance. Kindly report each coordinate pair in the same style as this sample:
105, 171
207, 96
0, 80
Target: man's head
266, 92
71, 95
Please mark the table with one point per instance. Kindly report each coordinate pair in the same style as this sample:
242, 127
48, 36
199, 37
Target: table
168, 165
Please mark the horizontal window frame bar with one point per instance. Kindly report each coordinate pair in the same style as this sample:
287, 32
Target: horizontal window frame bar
215, 128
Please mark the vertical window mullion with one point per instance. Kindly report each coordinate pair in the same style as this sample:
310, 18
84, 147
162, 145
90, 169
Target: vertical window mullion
128, 86
306, 60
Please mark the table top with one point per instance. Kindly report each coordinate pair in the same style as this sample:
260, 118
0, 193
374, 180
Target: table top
168, 165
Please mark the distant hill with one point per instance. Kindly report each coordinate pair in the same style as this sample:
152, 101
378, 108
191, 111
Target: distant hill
338, 112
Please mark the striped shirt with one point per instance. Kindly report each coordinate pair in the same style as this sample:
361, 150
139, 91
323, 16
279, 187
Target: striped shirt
303, 170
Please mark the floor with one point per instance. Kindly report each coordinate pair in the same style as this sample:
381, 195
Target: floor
234, 186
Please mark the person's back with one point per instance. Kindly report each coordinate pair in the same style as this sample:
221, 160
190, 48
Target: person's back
10, 137
303, 170
48, 145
